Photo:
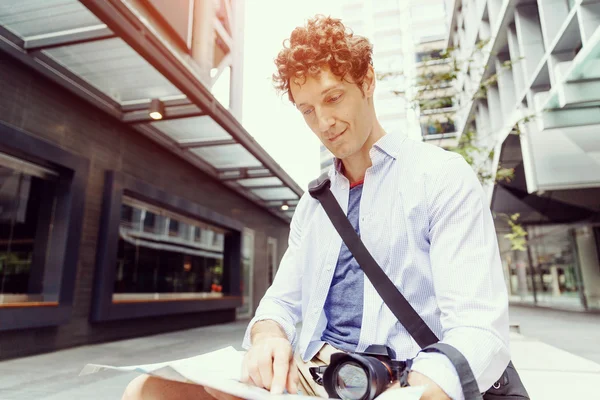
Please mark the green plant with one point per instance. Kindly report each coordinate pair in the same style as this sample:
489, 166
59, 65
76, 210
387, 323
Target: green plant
517, 236
432, 82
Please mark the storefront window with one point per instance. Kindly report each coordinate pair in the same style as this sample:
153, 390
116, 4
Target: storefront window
555, 268
164, 255
27, 204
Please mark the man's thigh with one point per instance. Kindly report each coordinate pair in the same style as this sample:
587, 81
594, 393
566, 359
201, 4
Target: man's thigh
306, 383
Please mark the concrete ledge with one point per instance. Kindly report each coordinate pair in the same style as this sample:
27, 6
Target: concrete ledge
550, 373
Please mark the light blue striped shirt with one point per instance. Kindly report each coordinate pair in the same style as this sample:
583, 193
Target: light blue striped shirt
425, 219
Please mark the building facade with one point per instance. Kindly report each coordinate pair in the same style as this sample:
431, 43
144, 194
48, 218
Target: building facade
536, 72
407, 37
132, 201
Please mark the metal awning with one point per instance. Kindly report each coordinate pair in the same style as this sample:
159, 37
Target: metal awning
103, 52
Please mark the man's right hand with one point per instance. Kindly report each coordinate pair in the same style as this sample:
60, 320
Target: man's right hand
270, 362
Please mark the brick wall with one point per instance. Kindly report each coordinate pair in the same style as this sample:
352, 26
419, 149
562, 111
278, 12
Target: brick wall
36, 105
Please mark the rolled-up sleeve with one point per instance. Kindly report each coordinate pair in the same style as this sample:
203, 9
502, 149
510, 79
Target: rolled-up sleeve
468, 280
282, 303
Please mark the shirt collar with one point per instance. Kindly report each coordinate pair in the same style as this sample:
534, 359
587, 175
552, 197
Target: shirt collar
388, 145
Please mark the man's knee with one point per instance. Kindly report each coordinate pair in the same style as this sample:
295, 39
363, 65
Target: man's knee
146, 387
135, 388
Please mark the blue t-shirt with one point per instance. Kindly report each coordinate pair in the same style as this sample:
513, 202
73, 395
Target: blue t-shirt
344, 304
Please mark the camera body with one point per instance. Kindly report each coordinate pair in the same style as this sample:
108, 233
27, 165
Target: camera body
360, 376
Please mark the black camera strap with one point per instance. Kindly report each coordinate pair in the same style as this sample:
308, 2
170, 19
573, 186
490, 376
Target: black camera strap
391, 296
396, 302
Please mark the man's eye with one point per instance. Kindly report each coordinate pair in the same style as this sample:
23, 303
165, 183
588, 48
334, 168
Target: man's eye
334, 99
306, 112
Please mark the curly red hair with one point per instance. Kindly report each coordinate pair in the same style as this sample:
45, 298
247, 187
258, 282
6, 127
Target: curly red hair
322, 41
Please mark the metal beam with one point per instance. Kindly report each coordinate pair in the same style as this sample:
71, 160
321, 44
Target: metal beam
124, 22
174, 112
275, 186
68, 38
567, 117
573, 93
222, 32
192, 144
241, 169
40, 62
178, 100
282, 202
225, 62
245, 176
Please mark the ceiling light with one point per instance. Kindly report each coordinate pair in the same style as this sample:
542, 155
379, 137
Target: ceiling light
157, 109
285, 207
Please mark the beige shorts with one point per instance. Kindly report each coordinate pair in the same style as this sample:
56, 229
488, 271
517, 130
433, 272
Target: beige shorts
307, 385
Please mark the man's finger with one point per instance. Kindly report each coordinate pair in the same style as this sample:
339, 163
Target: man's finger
254, 373
245, 376
265, 368
281, 366
293, 378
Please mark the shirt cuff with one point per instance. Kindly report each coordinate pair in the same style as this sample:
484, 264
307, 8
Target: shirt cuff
289, 329
439, 369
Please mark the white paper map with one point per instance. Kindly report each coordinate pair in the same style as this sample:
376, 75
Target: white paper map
221, 370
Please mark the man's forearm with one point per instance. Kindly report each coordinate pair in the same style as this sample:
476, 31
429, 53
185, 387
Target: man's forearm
266, 329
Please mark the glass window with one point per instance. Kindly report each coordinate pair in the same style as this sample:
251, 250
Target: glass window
247, 308
435, 127
550, 273
555, 269
428, 55
27, 205
172, 257
271, 259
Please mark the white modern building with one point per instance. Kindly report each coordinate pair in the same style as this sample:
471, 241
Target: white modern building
540, 78
405, 34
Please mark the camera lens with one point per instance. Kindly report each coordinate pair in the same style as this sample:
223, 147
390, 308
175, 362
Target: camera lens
352, 381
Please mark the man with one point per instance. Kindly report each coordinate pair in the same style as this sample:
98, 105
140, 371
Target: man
419, 210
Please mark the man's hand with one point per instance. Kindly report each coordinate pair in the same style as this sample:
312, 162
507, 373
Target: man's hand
270, 361
270, 364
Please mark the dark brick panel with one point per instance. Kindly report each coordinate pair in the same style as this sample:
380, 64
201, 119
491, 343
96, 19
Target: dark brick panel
40, 107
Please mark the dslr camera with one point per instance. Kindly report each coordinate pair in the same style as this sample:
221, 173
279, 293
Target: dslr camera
361, 376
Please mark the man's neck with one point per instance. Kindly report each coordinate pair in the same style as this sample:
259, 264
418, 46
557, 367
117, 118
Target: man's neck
356, 165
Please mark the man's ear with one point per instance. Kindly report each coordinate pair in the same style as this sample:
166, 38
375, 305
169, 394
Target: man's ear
369, 82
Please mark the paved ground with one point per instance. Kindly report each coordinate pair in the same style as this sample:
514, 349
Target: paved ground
55, 376
575, 332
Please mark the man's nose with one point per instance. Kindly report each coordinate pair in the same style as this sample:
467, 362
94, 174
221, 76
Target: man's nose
326, 121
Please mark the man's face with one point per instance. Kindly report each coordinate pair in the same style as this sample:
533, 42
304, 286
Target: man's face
336, 110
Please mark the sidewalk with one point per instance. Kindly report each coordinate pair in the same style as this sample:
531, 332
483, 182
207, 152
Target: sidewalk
548, 372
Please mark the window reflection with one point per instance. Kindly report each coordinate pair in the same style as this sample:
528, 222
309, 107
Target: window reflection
553, 277
27, 200
163, 255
